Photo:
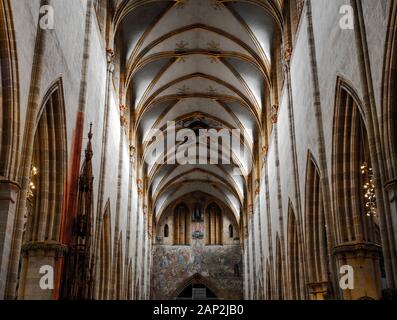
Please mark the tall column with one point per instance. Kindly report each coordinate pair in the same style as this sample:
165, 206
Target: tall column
36, 255
8, 196
325, 185
117, 238
391, 189
246, 271
138, 230
27, 152
251, 258
129, 236
375, 146
143, 256
364, 259
103, 167
254, 255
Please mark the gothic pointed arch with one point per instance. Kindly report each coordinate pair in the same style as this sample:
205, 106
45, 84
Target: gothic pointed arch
356, 218
354, 191
104, 262
389, 114
181, 224
197, 279
295, 268
213, 224
316, 233
46, 194
166, 231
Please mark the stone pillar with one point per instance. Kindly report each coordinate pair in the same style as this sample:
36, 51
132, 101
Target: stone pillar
364, 259
8, 196
391, 189
35, 256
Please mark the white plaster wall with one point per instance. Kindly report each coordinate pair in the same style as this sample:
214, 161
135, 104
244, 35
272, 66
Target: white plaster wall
337, 55
63, 58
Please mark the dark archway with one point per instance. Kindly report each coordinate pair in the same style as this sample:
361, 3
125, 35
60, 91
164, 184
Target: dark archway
197, 288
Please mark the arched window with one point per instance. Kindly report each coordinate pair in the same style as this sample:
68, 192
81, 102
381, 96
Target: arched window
213, 225
181, 225
166, 231
231, 232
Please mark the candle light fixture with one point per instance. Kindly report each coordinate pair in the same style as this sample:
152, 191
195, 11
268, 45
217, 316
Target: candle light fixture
32, 186
369, 190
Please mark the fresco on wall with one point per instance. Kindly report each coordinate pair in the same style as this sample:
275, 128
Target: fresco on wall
173, 265
216, 263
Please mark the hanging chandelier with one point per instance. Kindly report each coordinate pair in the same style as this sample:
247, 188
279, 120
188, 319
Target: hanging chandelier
32, 187
369, 190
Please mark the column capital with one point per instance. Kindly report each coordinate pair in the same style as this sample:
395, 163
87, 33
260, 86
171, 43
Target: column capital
362, 249
45, 247
9, 190
10, 183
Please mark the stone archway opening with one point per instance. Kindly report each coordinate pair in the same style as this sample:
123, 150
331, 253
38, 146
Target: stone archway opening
197, 288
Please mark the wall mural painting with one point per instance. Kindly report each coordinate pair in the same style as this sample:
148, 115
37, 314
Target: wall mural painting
220, 264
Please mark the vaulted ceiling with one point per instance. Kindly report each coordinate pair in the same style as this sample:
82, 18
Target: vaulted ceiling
204, 63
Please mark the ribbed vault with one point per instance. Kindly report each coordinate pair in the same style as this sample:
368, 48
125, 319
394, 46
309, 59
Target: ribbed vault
201, 64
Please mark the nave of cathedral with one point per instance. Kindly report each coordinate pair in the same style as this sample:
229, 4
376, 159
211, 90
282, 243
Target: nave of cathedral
198, 149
